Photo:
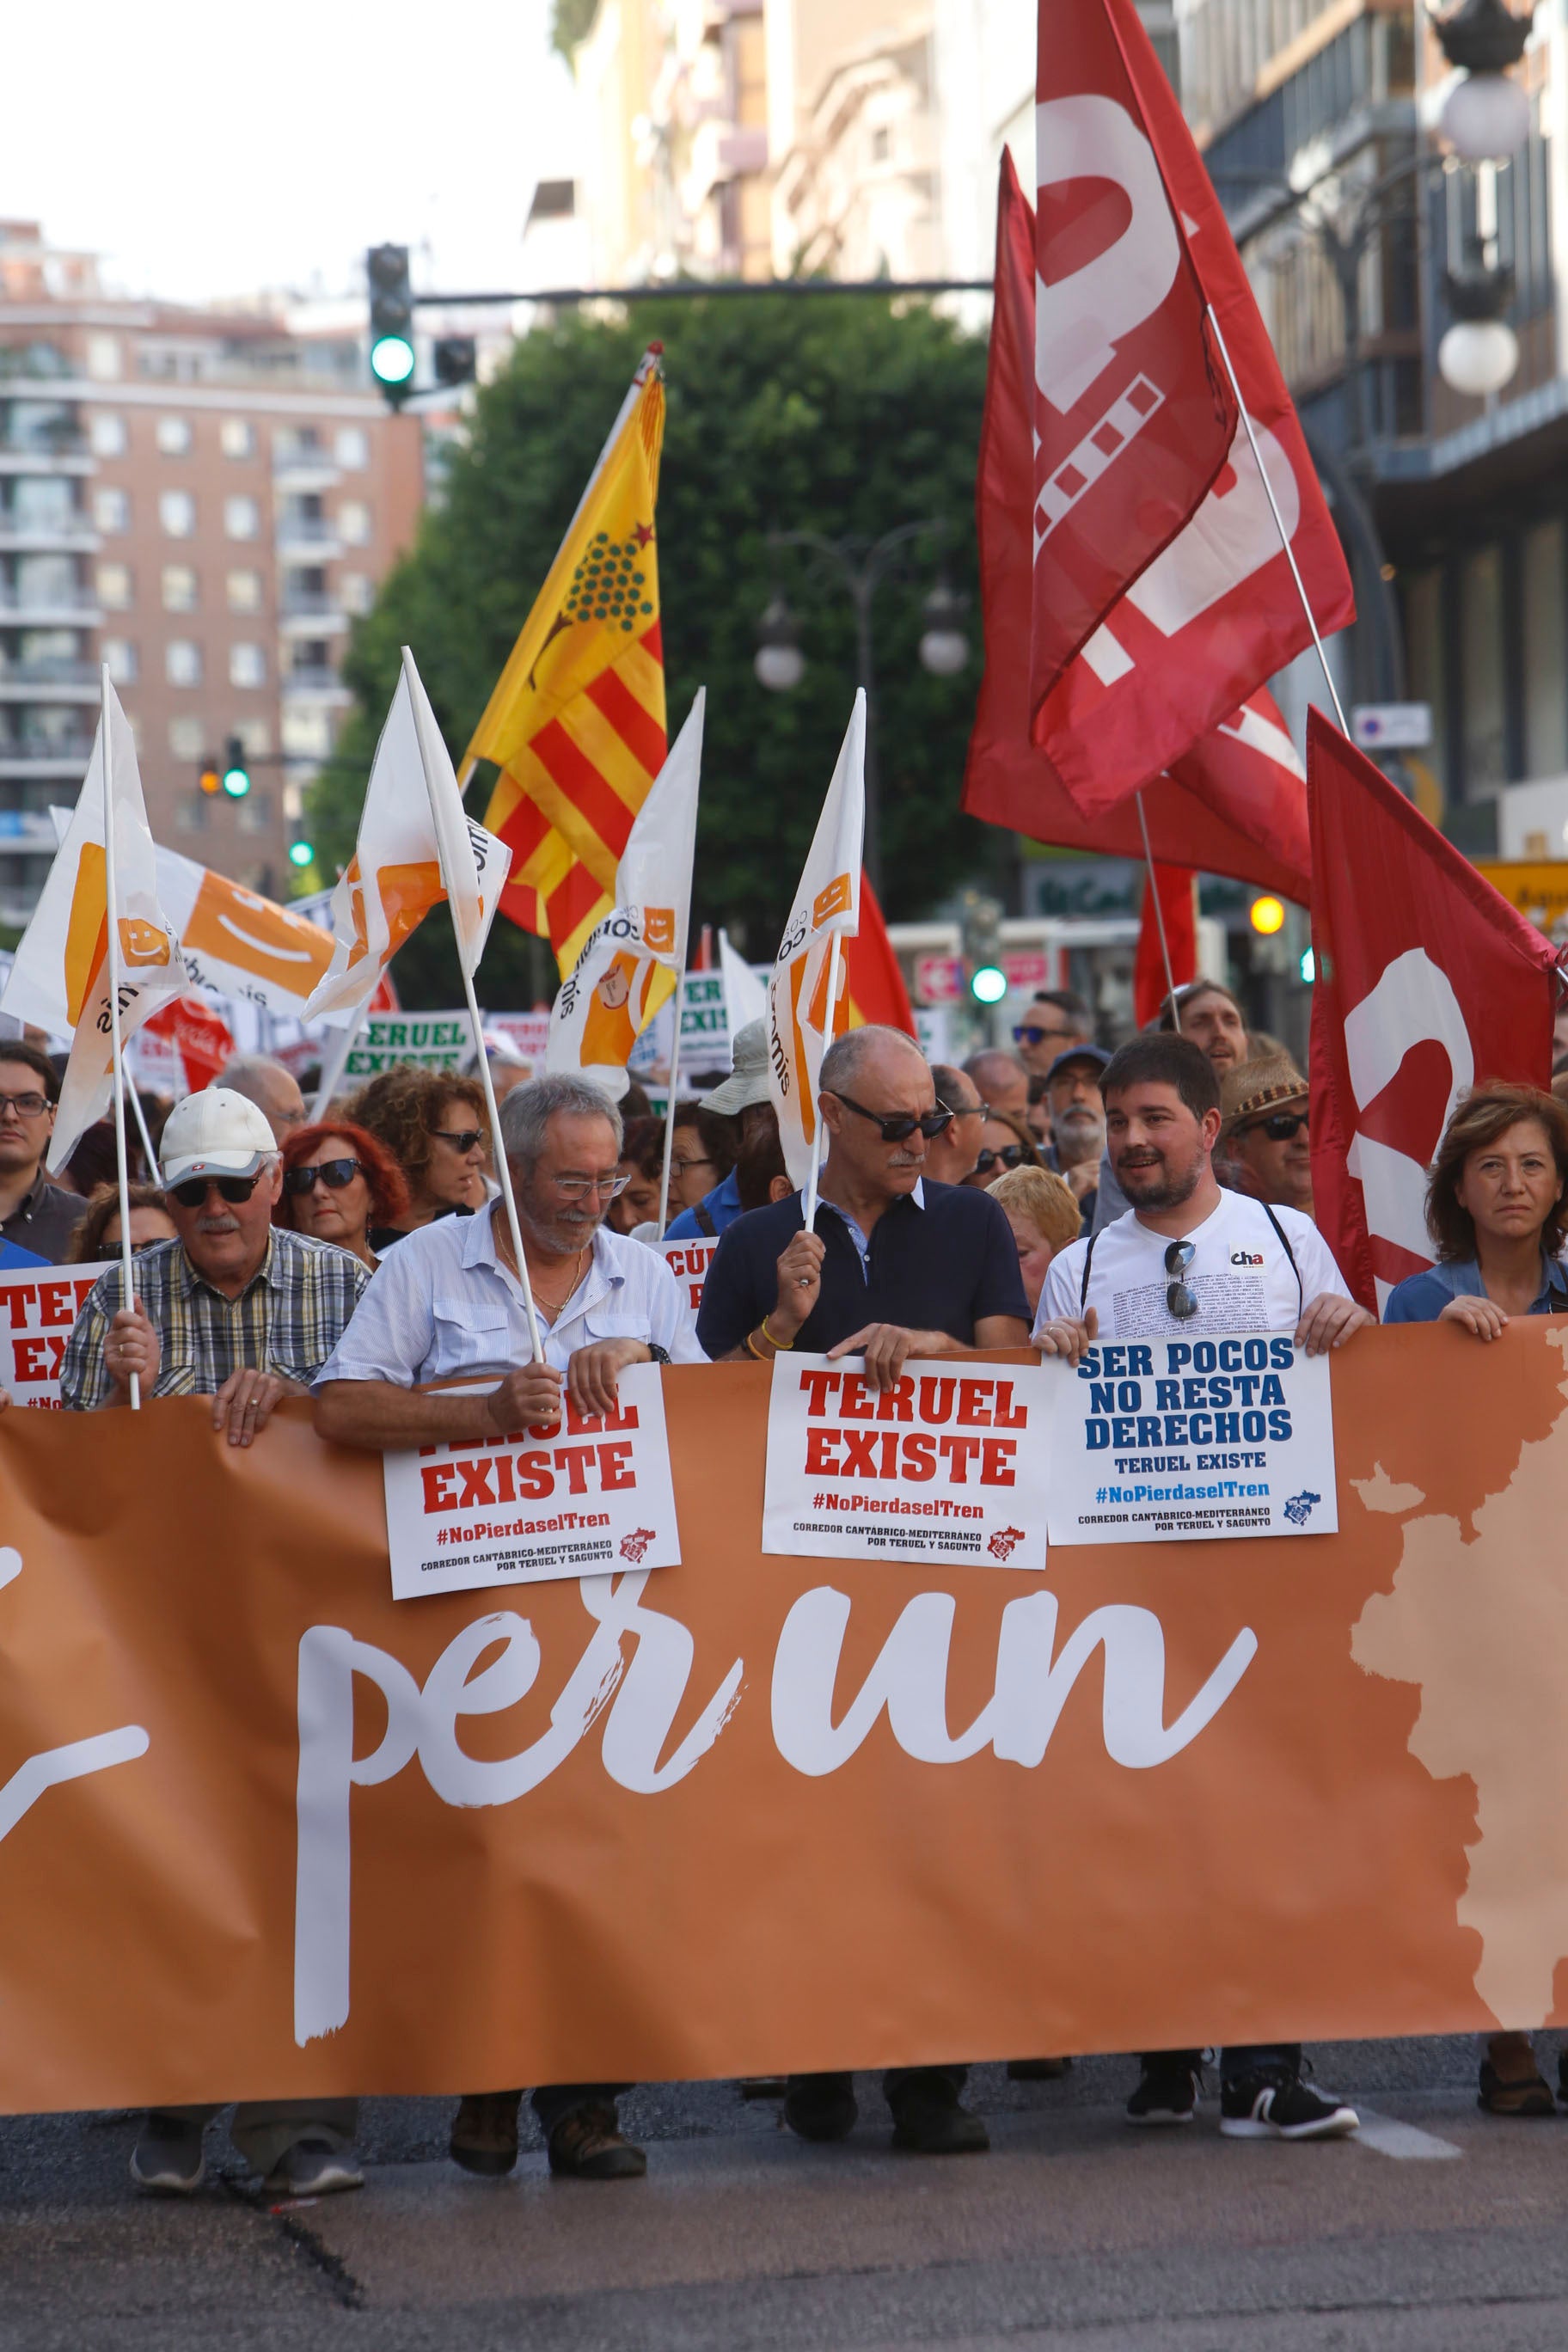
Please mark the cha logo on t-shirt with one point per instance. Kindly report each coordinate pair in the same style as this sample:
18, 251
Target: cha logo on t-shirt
1247, 1257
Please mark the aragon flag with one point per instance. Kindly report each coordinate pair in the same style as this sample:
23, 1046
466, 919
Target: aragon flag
576, 722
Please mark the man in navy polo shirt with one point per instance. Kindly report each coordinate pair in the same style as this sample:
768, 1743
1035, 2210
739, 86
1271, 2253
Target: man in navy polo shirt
898, 1267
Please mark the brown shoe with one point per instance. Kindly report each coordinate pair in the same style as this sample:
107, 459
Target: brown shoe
588, 2145
1511, 2083
484, 2132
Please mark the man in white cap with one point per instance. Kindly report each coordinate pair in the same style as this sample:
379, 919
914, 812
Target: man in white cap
246, 1312
744, 1097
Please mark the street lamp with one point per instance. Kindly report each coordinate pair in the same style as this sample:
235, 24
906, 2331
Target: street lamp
1479, 352
1486, 115
860, 568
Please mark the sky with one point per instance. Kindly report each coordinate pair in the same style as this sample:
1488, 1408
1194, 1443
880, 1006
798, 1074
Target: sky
208, 150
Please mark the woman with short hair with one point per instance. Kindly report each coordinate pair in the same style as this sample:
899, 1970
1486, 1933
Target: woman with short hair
1043, 1211
435, 1127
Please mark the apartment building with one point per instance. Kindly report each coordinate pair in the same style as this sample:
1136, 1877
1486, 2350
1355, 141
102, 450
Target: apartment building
204, 500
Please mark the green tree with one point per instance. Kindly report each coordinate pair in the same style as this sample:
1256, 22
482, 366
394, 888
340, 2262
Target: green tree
842, 415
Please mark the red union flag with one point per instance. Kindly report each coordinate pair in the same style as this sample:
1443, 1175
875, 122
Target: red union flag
1236, 802
1193, 625
1428, 983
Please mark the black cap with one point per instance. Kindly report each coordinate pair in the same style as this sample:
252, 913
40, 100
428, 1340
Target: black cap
1085, 1053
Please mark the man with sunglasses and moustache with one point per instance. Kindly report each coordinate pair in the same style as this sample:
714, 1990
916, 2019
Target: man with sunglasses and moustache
1264, 1147
899, 1267
1190, 1257
246, 1312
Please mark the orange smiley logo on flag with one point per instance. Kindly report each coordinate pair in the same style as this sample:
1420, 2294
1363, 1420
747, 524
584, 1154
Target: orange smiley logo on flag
234, 926
835, 900
659, 930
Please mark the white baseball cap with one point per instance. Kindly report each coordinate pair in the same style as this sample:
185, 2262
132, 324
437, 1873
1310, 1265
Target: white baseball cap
215, 1133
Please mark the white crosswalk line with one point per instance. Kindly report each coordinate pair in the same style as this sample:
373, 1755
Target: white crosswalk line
1404, 2141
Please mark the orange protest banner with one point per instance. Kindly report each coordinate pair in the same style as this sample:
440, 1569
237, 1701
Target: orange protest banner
265, 1831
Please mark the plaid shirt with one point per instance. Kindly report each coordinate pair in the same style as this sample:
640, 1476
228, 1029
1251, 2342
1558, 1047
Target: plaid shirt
288, 1319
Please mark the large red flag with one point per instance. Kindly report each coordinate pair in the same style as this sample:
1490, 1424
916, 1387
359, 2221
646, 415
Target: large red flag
872, 974
1200, 620
1236, 802
1167, 927
1427, 981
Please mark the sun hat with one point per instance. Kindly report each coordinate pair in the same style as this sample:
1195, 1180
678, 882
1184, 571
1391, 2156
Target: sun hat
215, 1133
748, 1081
1249, 1088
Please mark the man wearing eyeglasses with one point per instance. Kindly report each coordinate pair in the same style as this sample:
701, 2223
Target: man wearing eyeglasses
1190, 1257
246, 1312
34, 1214
1056, 1019
1264, 1147
446, 1305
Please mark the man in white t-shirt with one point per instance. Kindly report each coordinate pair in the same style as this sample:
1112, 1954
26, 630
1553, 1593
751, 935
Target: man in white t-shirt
1186, 1257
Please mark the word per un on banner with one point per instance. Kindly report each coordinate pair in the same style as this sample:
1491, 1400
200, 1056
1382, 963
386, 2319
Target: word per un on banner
1178, 1438
948, 1465
587, 1497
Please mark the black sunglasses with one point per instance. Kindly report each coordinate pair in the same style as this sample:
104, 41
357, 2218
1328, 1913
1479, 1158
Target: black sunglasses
897, 1126
1027, 1034
233, 1189
333, 1174
1281, 1124
1011, 1155
463, 1141
1178, 1298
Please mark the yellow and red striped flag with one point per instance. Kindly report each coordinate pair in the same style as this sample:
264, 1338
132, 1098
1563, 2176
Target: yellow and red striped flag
576, 722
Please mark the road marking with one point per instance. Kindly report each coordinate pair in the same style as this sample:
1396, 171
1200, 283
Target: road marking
1404, 2141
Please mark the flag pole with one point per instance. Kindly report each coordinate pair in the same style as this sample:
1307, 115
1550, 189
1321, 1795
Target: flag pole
503, 1166
1278, 524
112, 908
669, 1111
1159, 910
833, 958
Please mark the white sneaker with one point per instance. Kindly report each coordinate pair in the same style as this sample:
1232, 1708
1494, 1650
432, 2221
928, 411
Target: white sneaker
313, 2167
168, 2160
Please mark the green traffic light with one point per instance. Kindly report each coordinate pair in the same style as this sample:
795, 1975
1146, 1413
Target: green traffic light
236, 782
391, 359
988, 983
301, 853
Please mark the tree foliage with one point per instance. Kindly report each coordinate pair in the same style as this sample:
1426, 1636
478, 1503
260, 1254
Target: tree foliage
843, 415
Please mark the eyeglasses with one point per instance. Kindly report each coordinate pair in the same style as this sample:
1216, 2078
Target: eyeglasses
24, 1105
1011, 1155
464, 1140
683, 1166
898, 1126
1027, 1034
1281, 1126
1179, 1299
577, 1188
233, 1189
333, 1174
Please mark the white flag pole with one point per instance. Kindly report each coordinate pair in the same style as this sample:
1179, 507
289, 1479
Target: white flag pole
816, 1106
669, 1118
1280, 524
112, 900
1159, 910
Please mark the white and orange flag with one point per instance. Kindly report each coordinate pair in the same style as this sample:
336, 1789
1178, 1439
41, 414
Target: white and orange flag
60, 979
412, 833
807, 1009
633, 959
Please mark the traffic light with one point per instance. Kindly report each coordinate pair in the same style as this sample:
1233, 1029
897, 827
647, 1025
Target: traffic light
236, 774
391, 319
301, 853
982, 924
211, 778
1267, 917
455, 359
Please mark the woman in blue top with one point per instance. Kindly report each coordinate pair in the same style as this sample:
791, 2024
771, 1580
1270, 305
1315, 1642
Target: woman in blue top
1497, 1210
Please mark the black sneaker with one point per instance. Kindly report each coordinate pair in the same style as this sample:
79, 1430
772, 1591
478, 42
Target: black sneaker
930, 2119
1167, 2092
1274, 2105
820, 2107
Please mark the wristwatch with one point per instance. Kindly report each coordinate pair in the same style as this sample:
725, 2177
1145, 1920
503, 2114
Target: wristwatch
659, 1355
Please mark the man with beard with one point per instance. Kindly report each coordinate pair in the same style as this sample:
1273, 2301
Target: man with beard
1188, 1258
446, 1305
1077, 1121
1206, 1011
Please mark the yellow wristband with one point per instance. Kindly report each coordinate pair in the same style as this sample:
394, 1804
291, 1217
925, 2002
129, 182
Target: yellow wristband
752, 1350
784, 1346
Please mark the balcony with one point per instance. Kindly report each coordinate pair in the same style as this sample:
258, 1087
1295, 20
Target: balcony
81, 611
48, 681
315, 684
311, 616
73, 536
306, 539
26, 830
64, 453
304, 472
24, 757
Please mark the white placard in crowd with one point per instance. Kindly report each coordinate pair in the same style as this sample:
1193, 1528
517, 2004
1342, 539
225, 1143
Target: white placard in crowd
589, 1499
38, 1304
433, 1041
947, 1467
1174, 1438
528, 1031
688, 1262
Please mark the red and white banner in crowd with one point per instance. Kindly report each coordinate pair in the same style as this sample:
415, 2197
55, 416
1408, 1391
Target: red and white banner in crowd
1427, 981
1194, 615
587, 1498
180, 1049
690, 1261
1236, 802
1167, 928
947, 1466
36, 1311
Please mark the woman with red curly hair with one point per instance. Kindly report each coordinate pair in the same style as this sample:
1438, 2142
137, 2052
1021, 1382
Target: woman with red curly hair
341, 1186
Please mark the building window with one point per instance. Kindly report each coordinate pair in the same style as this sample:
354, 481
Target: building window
255, 811
246, 666
307, 734
356, 592
106, 434
241, 518
353, 522
182, 662
187, 738
1545, 652
174, 436
111, 511
179, 588
119, 659
237, 438
103, 358
245, 591
114, 586
353, 446
255, 737
177, 514
191, 815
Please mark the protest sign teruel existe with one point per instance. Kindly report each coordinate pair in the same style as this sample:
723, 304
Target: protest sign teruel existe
1177, 1438
36, 1311
588, 1497
433, 1041
947, 1465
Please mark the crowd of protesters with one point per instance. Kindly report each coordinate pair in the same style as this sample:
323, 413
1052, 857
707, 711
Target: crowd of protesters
355, 1258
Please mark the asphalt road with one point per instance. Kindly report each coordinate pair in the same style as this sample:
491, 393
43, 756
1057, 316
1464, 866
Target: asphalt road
1440, 2231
